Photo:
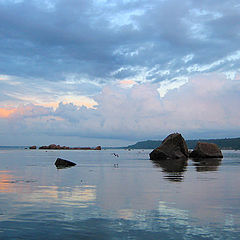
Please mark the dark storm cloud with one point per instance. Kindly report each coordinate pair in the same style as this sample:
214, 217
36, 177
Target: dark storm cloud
51, 39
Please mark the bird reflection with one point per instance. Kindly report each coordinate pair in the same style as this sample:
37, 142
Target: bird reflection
207, 164
174, 168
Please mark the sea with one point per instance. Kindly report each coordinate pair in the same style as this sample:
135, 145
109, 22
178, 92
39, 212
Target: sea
117, 194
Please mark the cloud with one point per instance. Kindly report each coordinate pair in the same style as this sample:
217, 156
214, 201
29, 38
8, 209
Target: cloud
29, 111
93, 39
5, 113
16, 90
195, 109
127, 83
120, 69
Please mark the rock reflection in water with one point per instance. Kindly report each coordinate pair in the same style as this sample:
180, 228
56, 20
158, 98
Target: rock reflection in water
174, 168
207, 164
63, 167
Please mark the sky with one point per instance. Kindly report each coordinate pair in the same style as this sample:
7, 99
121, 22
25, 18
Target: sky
110, 73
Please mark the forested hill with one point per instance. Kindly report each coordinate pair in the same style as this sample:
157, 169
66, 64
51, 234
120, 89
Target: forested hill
226, 143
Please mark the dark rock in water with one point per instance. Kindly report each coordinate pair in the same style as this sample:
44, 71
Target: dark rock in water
33, 147
206, 150
54, 146
43, 147
98, 148
62, 163
172, 147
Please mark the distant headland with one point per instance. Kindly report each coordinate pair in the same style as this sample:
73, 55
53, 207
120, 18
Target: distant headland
224, 144
58, 147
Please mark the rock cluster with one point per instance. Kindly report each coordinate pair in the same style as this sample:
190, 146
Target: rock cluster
58, 147
54, 146
175, 147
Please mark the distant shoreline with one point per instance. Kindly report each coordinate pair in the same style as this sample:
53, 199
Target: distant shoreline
224, 143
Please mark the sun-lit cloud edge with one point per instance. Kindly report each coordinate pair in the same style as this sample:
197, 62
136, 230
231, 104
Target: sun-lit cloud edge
205, 104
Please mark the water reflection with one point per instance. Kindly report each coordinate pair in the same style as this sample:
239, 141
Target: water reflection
5, 182
118, 203
78, 196
209, 164
174, 169
12, 184
63, 167
179, 216
127, 214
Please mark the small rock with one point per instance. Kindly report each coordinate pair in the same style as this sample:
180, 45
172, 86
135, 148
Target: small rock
53, 146
33, 147
62, 163
43, 147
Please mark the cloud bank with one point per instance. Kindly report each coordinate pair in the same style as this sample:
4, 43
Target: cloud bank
119, 69
197, 109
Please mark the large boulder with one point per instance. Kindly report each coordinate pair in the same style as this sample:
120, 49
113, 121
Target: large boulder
206, 150
62, 163
172, 147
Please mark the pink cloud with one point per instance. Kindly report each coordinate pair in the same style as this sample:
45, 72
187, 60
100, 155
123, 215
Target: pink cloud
6, 112
127, 83
206, 103
30, 110
209, 100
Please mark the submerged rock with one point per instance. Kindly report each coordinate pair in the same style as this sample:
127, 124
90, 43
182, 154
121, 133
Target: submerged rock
172, 147
62, 163
206, 150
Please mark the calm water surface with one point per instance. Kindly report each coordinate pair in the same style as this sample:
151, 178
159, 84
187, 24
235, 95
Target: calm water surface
136, 199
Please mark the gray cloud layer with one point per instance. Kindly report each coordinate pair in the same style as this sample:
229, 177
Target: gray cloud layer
94, 39
55, 51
